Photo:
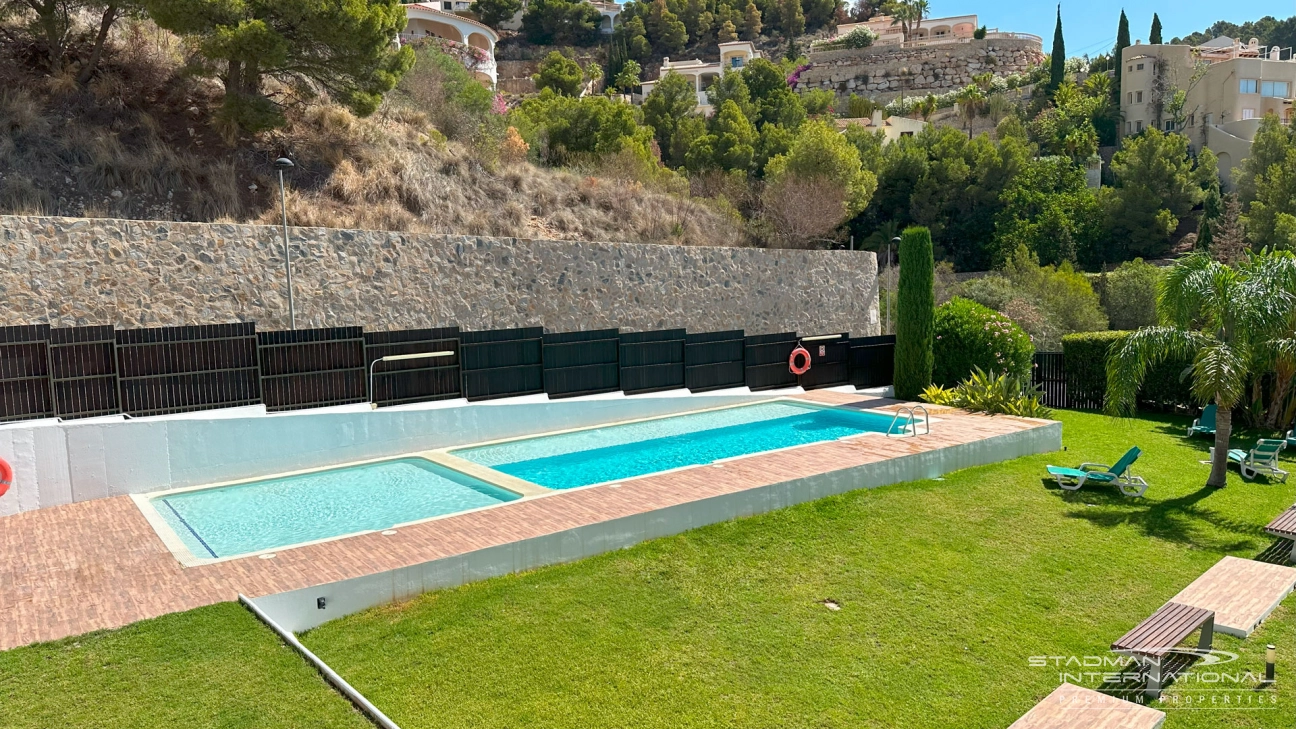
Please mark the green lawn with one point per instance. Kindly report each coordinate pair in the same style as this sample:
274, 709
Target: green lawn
946, 589
212, 667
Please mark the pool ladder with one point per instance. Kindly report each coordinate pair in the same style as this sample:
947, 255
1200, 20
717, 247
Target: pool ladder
911, 422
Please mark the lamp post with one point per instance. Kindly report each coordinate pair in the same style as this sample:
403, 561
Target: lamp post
281, 164
896, 241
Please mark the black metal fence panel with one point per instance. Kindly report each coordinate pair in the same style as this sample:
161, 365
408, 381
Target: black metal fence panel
25, 388
183, 369
1049, 374
829, 363
766, 361
872, 361
652, 361
83, 371
581, 363
413, 380
307, 368
501, 363
714, 360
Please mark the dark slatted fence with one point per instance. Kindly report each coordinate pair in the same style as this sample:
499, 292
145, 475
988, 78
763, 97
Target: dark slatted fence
308, 368
83, 371
714, 360
766, 360
501, 363
829, 362
652, 361
182, 369
418, 379
1049, 374
24, 373
581, 363
872, 361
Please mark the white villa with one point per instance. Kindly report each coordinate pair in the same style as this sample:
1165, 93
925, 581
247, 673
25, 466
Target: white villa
473, 42
892, 127
931, 31
733, 56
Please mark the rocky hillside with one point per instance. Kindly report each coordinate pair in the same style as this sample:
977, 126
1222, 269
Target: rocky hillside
138, 141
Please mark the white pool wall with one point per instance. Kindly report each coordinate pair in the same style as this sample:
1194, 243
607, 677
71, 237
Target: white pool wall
298, 610
58, 463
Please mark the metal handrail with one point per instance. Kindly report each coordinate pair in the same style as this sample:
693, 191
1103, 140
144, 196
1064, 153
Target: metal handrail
911, 421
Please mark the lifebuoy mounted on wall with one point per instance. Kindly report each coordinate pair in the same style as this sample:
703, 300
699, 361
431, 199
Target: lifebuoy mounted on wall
6, 476
804, 367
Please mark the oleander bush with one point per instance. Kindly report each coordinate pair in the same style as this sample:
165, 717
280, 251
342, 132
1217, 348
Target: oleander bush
970, 336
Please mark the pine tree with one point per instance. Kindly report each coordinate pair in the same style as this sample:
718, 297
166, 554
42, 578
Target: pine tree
1057, 61
727, 33
915, 315
1122, 42
1154, 37
793, 18
751, 29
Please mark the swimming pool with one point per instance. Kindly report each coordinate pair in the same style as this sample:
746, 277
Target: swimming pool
598, 455
251, 517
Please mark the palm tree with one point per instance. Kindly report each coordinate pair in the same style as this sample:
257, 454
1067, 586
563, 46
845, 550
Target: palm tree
1228, 319
908, 14
970, 103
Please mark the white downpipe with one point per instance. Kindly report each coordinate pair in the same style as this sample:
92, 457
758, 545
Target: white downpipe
329, 674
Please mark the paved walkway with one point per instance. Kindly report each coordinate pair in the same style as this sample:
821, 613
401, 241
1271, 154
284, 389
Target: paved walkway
98, 564
1073, 707
1241, 592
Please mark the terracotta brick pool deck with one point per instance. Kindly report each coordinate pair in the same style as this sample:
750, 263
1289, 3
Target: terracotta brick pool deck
71, 569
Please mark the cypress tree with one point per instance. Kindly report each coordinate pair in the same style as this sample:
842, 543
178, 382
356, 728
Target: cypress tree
1057, 61
915, 314
1122, 42
1154, 37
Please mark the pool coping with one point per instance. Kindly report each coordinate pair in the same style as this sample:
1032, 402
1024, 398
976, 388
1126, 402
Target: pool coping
445, 458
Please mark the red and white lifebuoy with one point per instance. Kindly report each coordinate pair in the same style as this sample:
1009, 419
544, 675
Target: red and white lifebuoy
803, 368
6, 476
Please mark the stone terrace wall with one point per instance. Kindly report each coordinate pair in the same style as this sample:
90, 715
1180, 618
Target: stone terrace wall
880, 71
69, 271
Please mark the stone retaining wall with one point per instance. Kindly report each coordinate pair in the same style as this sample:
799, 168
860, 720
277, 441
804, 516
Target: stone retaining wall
883, 71
71, 271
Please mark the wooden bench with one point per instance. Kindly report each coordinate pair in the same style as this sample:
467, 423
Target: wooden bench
1284, 527
1155, 638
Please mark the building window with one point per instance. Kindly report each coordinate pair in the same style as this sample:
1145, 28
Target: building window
1131, 67
1169, 125
447, 6
1248, 113
1140, 67
906, 134
1274, 89
1138, 126
736, 62
1129, 97
1129, 127
1138, 97
1206, 120
1246, 86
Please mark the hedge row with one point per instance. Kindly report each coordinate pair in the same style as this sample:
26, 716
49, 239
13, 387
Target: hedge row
1085, 355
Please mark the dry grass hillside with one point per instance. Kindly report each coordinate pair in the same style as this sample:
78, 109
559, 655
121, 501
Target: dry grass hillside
136, 142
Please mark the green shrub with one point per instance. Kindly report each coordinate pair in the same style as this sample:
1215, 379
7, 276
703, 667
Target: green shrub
1085, 357
989, 393
559, 73
1129, 295
915, 315
971, 336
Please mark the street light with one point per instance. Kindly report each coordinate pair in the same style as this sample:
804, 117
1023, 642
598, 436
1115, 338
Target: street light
281, 164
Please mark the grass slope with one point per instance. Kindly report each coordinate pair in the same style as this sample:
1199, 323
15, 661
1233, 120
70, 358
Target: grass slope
946, 589
213, 667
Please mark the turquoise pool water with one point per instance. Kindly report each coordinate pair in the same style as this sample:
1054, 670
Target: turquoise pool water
233, 520
597, 455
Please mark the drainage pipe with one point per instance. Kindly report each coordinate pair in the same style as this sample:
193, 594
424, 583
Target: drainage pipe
329, 674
